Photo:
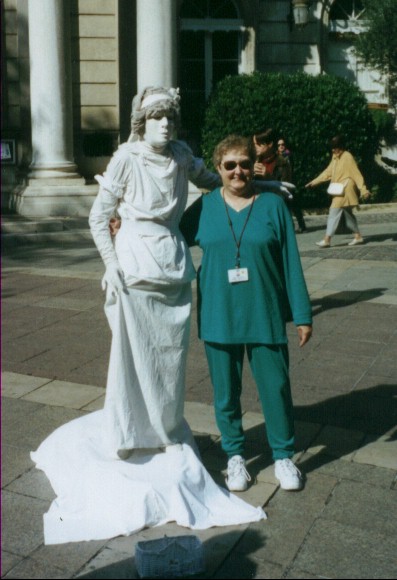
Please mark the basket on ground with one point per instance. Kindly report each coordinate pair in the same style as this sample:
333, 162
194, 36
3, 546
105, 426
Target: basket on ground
175, 557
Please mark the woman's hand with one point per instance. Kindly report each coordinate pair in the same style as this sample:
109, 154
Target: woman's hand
259, 169
304, 333
310, 184
114, 226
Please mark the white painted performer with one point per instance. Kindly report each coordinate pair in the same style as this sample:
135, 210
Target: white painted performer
148, 275
134, 464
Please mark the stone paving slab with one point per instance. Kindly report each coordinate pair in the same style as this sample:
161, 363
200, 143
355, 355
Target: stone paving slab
379, 451
337, 550
8, 561
65, 394
201, 418
26, 424
379, 514
22, 517
14, 463
32, 483
16, 385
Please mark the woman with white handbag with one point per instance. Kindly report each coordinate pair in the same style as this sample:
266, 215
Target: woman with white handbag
346, 187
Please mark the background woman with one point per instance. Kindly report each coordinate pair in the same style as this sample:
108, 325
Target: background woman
273, 162
250, 278
342, 169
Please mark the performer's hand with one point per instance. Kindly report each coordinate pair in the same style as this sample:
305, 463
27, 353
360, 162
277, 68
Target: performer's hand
283, 188
114, 278
287, 189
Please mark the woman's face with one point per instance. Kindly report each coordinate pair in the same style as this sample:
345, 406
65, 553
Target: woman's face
159, 130
281, 146
235, 170
337, 151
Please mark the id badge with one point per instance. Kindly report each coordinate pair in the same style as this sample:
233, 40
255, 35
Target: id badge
238, 275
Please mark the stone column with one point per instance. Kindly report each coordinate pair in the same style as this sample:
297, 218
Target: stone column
156, 43
54, 187
51, 90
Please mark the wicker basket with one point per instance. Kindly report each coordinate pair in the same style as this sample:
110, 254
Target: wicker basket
175, 557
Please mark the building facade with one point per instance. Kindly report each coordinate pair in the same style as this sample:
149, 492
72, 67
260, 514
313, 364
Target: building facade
71, 67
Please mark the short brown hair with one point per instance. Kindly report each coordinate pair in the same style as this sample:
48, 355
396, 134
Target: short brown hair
265, 137
232, 142
338, 142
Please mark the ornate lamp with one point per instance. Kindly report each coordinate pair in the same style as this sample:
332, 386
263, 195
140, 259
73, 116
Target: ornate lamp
300, 12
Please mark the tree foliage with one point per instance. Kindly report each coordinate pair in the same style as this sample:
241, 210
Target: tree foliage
377, 45
307, 110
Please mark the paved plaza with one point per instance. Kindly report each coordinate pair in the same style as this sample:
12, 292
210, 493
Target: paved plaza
55, 350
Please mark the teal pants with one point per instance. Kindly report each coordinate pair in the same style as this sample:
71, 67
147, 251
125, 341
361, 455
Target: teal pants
270, 368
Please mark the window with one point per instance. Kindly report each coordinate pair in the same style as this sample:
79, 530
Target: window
346, 21
346, 16
209, 50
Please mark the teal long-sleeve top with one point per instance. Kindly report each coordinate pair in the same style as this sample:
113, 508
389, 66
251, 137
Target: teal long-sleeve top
255, 311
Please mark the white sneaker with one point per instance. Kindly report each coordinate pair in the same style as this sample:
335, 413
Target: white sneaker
323, 244
356, 241
237, 476
288, 474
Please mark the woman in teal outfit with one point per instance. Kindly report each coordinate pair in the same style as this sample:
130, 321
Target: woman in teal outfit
249, 283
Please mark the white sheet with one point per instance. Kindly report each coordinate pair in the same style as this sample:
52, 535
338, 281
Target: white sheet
99, 497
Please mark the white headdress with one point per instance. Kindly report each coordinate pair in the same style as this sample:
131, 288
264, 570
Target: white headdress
148, 98
171, 95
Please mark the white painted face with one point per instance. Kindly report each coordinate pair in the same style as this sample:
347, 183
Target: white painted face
159, 130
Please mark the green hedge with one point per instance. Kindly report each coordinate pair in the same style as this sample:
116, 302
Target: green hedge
307, 110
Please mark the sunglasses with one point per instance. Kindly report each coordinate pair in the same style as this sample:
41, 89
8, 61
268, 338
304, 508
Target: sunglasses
231, 165
281, 144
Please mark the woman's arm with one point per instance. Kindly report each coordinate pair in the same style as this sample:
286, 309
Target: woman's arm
325, 175
295, 283
353, 171
190, 222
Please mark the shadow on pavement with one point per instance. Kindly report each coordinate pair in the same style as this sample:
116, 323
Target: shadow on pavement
345, 298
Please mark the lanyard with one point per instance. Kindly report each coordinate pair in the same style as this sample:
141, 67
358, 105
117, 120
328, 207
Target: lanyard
237, 242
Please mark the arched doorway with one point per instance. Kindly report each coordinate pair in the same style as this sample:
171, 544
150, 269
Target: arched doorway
210, 48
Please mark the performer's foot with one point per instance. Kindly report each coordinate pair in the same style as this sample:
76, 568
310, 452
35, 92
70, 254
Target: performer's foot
237, 476
124, 453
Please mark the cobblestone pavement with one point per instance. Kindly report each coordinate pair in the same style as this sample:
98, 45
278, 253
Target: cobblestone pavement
343, 524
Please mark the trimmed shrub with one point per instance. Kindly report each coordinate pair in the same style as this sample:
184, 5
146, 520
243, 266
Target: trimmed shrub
384, 123
307, 110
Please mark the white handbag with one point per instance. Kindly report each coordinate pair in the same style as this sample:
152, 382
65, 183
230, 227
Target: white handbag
336, 188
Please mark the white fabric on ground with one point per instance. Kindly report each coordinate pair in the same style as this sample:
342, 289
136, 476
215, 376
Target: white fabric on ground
99, 497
